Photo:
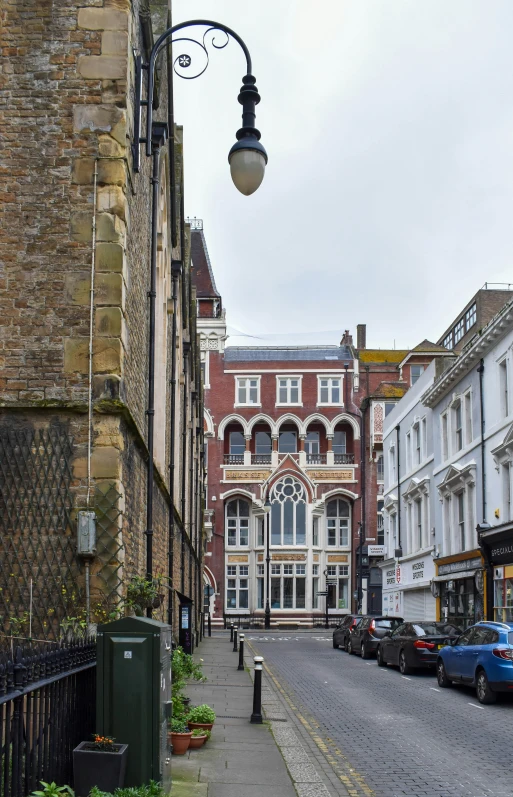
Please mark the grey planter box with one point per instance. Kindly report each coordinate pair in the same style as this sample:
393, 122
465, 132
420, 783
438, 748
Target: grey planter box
97, 768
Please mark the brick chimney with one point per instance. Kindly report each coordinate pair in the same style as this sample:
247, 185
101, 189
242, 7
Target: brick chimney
361, 336
347, 339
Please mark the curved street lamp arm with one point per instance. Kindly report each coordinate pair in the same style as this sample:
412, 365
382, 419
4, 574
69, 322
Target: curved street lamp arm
159, 44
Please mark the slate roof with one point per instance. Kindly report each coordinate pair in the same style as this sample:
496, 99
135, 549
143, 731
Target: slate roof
241, 354
202, 274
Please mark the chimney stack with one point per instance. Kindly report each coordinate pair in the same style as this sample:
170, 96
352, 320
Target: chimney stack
361, 336
347, 339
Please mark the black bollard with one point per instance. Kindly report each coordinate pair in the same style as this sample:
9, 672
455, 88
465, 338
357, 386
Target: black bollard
256, 717
241, 652
231, 632
235, 640
209, 625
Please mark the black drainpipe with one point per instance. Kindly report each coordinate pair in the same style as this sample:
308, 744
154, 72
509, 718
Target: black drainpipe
176, 270
186, 348
399, 550
488, 565
159, 136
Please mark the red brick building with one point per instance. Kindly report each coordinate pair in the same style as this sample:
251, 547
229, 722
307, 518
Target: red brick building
284, 427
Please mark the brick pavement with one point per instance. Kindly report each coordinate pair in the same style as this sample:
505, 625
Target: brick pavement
383, 734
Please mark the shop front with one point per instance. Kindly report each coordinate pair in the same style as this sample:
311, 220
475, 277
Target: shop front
459, 584
417, 573
497, 546
392, 593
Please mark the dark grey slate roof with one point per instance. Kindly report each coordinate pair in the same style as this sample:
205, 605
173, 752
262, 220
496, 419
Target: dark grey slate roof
239, 354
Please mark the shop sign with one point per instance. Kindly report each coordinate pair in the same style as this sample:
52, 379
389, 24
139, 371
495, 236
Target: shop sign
502, 554
460, 567
390, 576
376, 550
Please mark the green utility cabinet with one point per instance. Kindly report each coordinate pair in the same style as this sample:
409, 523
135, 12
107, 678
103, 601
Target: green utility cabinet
134, 694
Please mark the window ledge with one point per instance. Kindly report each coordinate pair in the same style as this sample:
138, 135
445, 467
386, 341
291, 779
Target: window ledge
289, 405
247, 405
329, 404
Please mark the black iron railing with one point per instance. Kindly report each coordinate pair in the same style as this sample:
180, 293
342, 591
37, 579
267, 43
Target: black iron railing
316, 459
344, 459
47, 706
260, 459
234, 459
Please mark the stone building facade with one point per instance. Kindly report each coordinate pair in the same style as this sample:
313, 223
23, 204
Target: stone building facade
74, 280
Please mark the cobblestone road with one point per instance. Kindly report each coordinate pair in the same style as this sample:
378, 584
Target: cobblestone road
403, 735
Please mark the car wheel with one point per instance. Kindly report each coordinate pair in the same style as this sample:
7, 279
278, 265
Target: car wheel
334, 643
379, 658
363, 652
404, 668
484, 693
441, 675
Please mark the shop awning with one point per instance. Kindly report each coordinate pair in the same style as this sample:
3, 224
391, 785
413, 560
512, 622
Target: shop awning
458, 574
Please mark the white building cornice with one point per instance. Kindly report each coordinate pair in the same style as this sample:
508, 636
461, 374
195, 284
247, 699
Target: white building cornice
470, 357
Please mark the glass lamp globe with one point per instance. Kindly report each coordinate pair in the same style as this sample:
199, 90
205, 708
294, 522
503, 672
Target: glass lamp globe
248, 160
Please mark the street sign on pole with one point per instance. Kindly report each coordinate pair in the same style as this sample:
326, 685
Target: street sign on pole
322, 593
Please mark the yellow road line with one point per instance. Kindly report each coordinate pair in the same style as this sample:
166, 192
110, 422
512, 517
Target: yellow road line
353, 780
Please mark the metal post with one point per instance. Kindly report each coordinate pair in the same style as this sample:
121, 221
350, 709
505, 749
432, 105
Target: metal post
235, 640
241, 653
209, 625
232, 626
256, 717
267, 621
326, 619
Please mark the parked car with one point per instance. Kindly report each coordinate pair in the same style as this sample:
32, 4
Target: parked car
416, 644
482, 657
342, 631
367, 634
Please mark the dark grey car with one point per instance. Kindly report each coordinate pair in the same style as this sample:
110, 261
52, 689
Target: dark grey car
342, 631
368, 633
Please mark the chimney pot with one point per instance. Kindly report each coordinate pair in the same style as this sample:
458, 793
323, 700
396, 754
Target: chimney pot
361, 336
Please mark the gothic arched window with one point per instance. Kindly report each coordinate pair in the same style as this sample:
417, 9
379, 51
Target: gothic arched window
288, 512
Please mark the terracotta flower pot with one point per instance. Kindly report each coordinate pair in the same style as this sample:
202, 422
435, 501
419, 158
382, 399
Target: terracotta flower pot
197, 741
206, 725
180, 742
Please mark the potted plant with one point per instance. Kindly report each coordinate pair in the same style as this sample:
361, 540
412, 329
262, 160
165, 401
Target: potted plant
179, 736
198, 738
201, 717
100, 763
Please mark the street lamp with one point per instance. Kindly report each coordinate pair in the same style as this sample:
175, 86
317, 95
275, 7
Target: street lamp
267, 622
247, 157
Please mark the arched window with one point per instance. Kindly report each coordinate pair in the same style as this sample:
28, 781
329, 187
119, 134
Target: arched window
237, 522
337, 522
288, 513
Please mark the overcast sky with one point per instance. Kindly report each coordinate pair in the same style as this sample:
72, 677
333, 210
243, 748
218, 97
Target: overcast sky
388, 197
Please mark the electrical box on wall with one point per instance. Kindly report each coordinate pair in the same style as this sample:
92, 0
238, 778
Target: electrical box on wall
86, 542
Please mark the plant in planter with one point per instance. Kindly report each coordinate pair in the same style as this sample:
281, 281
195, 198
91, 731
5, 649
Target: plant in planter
198, 738
201, 717
100, 762
180, 736
52, 790
142, 594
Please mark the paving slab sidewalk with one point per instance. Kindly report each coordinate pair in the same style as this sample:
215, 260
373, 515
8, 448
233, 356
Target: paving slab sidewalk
242, 759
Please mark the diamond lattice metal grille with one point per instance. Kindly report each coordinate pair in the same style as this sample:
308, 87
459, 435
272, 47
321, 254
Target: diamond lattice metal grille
37, 543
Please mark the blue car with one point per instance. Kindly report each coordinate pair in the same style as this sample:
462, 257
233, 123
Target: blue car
482, 657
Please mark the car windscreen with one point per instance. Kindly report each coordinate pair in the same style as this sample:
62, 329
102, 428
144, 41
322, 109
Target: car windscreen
435, 629
510, 637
